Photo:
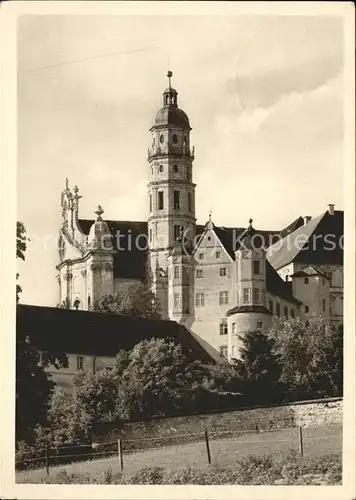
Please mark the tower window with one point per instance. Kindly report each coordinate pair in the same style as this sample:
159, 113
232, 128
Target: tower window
246, 295
222, 271
256, 295
306, 281
306, 309
161, 168
190, 202
286, 312
161, 139
160, 200
223, 350
89, 303
233, 328
199, 299
175, 138
80, 362
324, 305
150, 234
177, 230
256, 267
292, 314
176, 271
177, 300
150, 203
271, 306
175, 168
200, 273
223, 327
278, 309
223, 298
176, 200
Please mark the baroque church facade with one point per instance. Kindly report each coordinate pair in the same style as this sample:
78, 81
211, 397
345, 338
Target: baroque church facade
218, 282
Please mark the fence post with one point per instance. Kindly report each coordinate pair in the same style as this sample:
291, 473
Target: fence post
47, 459
300, 432
119, 450
207, 446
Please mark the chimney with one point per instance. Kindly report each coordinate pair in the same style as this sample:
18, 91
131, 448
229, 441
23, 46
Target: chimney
306, 218
331, 209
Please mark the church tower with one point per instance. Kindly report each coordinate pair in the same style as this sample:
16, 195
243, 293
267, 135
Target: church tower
171, 191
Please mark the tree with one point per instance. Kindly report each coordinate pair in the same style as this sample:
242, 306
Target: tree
259, 369
311, 355
33, 388
138, 300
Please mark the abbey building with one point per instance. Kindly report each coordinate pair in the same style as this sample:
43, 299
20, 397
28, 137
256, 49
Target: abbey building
218, 282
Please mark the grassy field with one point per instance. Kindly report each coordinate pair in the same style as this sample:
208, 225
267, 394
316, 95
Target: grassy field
224, 452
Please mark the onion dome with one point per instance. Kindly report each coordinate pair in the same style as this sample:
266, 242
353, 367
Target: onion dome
170, 114
247, 237
99, 237
209, 225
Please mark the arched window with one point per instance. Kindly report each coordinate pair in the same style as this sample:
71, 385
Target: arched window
161, 139
175, 138
76, 304
89, 303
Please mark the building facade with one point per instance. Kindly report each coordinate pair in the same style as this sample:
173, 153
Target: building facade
218, 282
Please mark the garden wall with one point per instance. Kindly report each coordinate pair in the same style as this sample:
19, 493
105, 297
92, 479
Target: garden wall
305, 414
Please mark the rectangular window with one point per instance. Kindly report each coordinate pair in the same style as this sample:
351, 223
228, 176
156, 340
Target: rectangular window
222, 271
306, 281
256, 267
150, 203
256, 295
223, 350
218, 255
292, 313
150, 234
278, 309
246, 295
223, 298
177, 300
80, 362
200, 273
199, 299
271, 306
233, 328
286, 312
223, 327
177, 229
176, 200
201, 256
160, 200
259, 325
324, 305
306, 309
176, 271
190, 202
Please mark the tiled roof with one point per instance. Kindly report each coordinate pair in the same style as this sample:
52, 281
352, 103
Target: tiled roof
98, 334
308, 244
248, 309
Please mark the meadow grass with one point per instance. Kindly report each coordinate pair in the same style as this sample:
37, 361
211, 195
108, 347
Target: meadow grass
318, 442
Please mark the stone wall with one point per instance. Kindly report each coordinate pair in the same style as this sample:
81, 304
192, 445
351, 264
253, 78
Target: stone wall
306, 414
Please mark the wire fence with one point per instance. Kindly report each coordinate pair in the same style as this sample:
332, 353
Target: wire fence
208, 446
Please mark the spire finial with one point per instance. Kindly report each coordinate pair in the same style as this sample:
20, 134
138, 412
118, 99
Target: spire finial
250, 222
210, 214
169, 75
99, 212
67, 184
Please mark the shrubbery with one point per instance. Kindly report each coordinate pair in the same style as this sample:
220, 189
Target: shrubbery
290, 469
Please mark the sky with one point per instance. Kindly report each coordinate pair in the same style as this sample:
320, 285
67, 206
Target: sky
264, 95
